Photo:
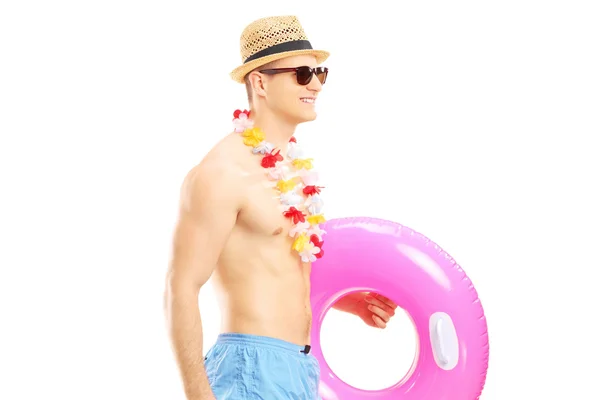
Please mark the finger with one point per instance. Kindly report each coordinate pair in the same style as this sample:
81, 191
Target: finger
378, 303
379, 312
386, 301
378, 321
381, 299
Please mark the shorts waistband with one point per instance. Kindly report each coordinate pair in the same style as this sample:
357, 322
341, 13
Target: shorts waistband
262, 341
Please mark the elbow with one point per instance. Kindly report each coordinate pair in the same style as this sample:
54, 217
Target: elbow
167, 296
180, 298
179, 288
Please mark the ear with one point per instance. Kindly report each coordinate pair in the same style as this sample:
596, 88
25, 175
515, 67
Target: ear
258, 83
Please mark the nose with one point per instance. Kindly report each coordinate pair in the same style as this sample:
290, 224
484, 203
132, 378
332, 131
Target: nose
315, 84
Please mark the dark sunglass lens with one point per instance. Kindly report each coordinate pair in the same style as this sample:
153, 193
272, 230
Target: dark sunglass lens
322, 75
304, 75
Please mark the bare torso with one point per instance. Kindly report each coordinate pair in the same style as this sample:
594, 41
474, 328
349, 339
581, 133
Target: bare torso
263, 288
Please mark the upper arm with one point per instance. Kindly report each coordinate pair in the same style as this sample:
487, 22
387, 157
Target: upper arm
208, 212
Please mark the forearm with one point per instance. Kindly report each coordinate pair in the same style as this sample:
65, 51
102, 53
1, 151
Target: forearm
349, 302
185, 330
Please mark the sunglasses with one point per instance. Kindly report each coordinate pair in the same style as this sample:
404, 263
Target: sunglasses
303, 74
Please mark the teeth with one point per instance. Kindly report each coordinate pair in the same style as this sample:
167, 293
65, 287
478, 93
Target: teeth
305, 100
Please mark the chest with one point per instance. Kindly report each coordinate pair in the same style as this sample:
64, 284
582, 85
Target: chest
285, 202
263, 212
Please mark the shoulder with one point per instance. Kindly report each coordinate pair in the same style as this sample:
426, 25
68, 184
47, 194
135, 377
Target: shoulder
215, 179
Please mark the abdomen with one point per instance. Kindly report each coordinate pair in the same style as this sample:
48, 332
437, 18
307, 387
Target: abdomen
266, 299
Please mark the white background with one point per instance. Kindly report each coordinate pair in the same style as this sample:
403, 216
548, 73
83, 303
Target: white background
474, 123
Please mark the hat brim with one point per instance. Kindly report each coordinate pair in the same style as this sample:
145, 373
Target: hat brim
240, 72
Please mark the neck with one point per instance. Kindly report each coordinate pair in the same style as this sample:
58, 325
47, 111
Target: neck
276, 129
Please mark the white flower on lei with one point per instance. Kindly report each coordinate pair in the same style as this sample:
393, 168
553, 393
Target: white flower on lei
308, 253
314, 204
291, 198
299, 228
309, 177
316, 230
278, 172
294, 151
241, 123
263, 148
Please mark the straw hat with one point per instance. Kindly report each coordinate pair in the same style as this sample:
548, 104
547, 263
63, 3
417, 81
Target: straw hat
272, 38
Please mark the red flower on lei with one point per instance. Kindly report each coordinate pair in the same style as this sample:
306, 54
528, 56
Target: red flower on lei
271, 159
314, 239
236, 113
311, 190
295, 215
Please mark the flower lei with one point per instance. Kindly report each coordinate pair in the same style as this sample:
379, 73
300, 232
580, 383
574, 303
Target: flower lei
296, 184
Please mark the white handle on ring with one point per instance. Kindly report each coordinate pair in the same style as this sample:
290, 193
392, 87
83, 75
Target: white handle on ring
440, 342
444, 341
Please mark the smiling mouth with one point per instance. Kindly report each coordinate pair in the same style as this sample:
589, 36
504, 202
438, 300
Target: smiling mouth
308, 100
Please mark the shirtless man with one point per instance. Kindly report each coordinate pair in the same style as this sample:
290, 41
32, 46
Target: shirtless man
233, 226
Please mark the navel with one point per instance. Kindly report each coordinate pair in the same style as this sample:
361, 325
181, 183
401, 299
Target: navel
277, 231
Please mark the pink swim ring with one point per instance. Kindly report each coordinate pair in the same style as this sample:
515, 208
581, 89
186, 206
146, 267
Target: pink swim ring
368, 254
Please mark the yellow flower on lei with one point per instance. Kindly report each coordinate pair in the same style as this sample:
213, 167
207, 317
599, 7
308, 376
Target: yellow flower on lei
300, 163
286, 186
253, 137
300, 242
316, 219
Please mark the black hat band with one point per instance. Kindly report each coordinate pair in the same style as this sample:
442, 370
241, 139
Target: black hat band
281, 48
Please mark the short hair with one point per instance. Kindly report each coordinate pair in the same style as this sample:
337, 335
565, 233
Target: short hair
248, 89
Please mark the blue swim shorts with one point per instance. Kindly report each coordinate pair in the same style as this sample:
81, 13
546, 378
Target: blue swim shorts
248, 367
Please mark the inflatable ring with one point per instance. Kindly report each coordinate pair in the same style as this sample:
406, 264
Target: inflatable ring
367, 254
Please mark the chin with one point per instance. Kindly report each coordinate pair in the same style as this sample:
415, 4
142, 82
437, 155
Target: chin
299, 116
307, 116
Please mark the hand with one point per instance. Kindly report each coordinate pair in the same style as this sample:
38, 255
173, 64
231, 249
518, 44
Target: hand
375, 310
